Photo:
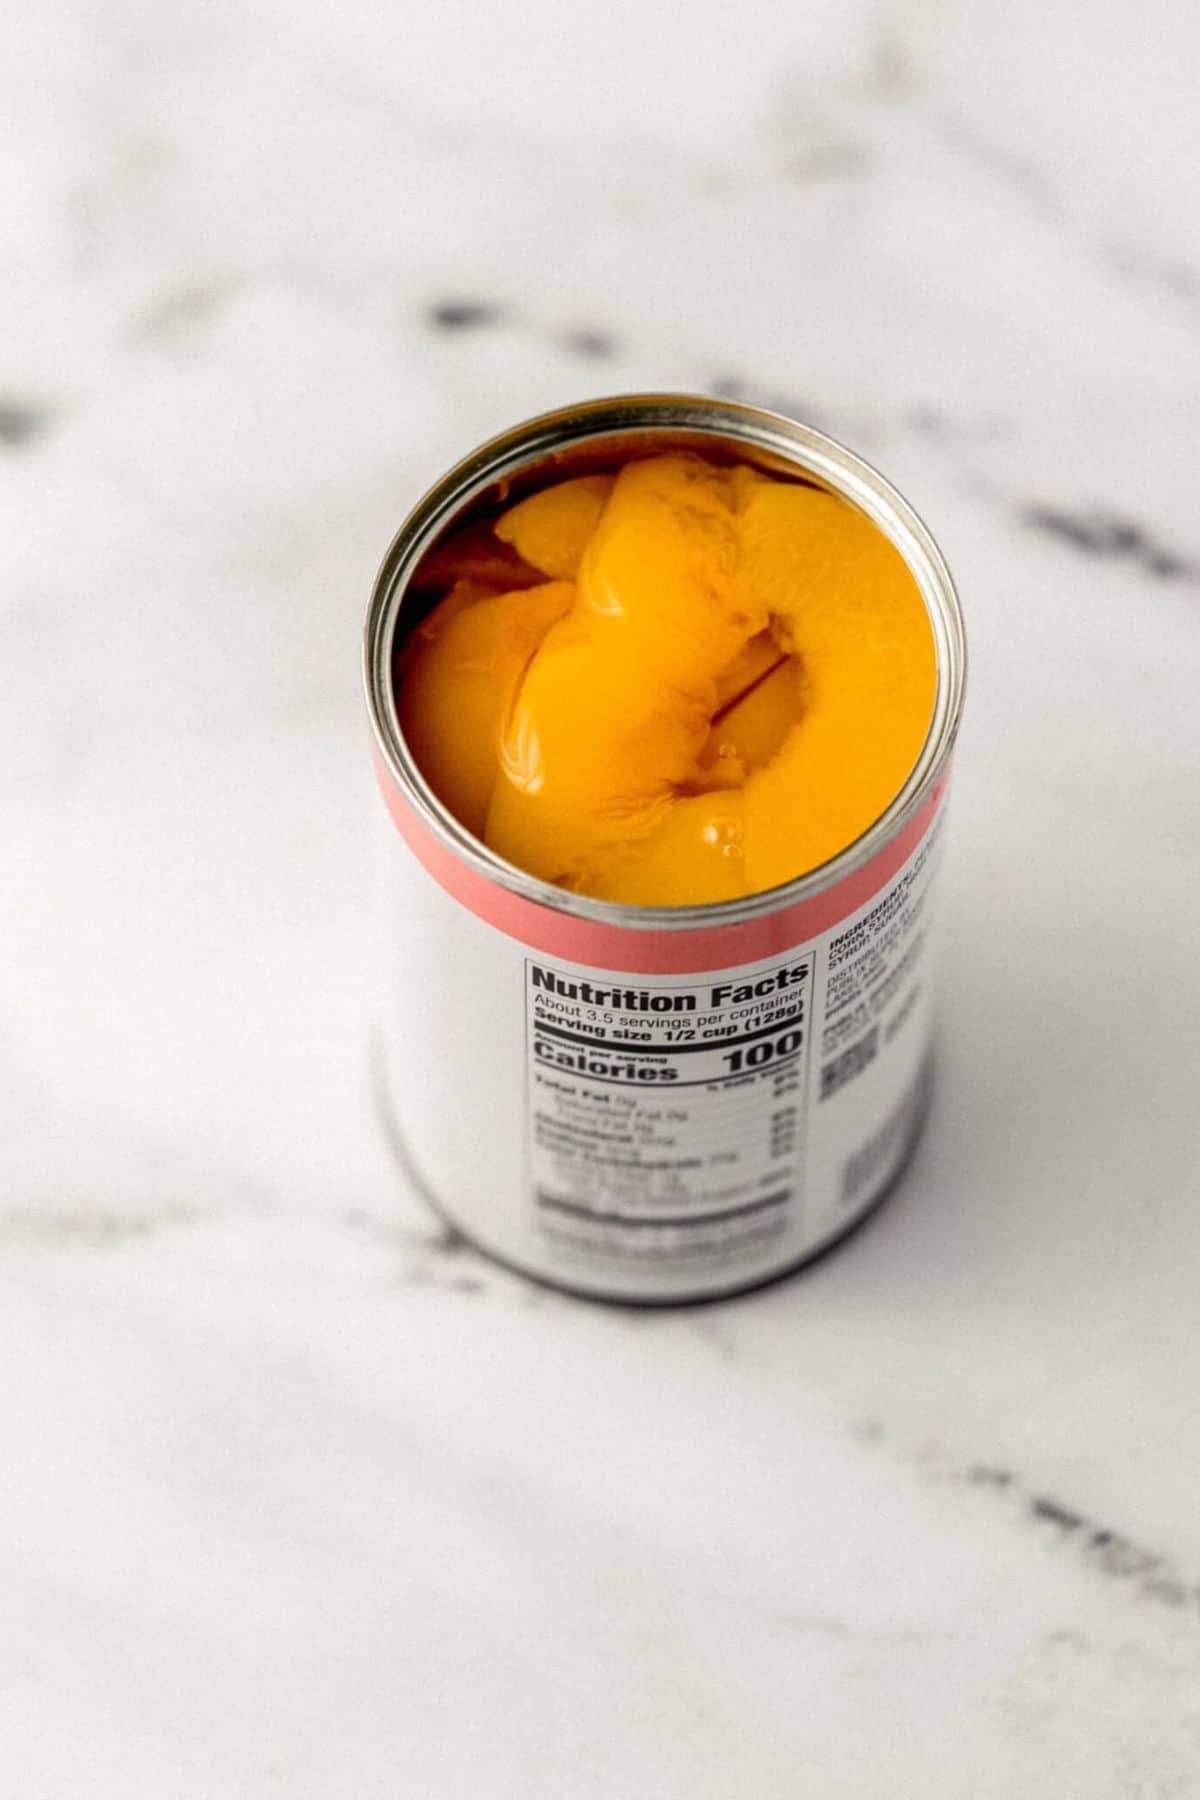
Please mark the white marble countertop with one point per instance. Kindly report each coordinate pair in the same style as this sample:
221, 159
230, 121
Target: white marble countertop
297, 1498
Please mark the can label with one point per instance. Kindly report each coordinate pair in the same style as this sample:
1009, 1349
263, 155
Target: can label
699, 1126
664, 1122
677, 1131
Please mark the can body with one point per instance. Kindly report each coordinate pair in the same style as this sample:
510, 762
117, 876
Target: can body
649, 1104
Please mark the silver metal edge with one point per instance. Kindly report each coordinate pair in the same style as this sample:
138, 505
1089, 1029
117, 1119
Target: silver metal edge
731, 423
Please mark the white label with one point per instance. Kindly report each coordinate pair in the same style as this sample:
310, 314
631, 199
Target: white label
664, 1120
680, 1131
649, 1137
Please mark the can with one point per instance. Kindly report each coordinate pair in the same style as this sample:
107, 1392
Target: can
656, 1104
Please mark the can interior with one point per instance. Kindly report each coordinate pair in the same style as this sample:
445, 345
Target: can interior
598, 437
601, 455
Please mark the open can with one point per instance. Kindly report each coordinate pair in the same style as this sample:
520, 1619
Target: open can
655, 1104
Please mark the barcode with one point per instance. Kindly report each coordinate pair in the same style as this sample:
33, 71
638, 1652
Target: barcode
852, 1061
875, 1159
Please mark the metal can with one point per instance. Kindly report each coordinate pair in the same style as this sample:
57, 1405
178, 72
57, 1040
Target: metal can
656, 1104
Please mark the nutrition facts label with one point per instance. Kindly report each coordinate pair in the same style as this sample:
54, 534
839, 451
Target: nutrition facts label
665, 1120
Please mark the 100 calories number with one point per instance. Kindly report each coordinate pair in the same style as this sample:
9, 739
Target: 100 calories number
756, 1056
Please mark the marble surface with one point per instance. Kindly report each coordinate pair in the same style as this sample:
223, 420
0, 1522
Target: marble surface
296, 1496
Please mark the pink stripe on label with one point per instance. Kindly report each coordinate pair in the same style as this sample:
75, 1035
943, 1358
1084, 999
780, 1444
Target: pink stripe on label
630, 949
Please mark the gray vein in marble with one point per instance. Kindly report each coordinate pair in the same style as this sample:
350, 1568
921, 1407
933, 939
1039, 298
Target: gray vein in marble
1159, 270
464, 314
21, 422
438, 1258
1104, 535
467, 313
727, 385
97, 1227
1012, 168
177, 313
890, 80
596, 346
1124, 1655
844, 160
1165, 272
957, 430
829, 1625
1105, 1551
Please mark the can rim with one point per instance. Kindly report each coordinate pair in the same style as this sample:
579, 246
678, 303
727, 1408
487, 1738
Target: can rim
629, 416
